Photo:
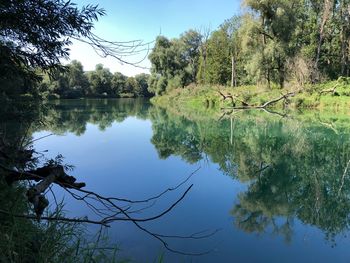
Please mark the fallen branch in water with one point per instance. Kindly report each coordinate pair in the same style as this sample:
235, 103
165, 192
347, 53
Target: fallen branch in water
331, 90
46, 176
36, 175
232, 98
265, 105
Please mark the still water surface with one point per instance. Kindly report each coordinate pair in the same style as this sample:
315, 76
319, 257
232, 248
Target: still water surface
278, 189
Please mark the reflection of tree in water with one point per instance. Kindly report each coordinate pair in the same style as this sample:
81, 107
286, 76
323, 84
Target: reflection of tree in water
304, 181
72, 116
170, 138
25, 226
293, 168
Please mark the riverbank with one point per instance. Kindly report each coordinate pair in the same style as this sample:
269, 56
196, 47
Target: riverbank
333, 95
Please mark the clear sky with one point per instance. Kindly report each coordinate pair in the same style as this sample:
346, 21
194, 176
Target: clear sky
141, 19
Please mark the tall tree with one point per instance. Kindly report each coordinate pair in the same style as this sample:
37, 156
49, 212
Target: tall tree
118, 83
344, 21
141, 89
231, 27
203, 54
76, 75
273, 30
100, 81
189, 51
326, 15
218, 58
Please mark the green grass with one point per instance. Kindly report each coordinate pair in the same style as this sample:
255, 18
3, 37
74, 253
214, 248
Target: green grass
206, 98
27, 240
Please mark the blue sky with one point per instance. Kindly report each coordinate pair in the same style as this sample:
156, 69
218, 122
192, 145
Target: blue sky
141, 19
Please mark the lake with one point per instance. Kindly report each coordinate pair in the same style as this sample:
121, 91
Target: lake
276, 188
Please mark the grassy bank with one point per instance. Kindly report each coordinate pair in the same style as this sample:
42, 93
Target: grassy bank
334, 95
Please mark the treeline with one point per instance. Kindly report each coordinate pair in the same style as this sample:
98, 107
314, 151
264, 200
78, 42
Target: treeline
72, 82
272, 43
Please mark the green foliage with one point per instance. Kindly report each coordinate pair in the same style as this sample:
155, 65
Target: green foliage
141, 88
161, 85
77, 80
100, 80
35, 34
328, 95
273, 43
174, 62
174, 83
73, 83
118, 83
218, 59
24, 240
257, 148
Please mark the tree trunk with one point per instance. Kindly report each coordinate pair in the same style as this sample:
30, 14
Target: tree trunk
327, 8
233, 72
268, 78
281, 73
344, 37
264, 42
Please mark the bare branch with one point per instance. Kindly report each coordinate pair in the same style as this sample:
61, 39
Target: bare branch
106, 208
119, 50
265, 105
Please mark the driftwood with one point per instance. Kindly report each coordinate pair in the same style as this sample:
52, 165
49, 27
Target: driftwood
36, 195
245, 105
232, 98
46, 176
39, 174
332, 90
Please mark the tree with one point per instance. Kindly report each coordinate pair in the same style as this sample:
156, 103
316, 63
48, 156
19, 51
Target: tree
141, 89
189, 51
165, 64
202, 61
218, 58
118, 83
130, 86
344, 21
174, 62
36, 34
161, 57
100, 81
272, 31
231, 27
76, 76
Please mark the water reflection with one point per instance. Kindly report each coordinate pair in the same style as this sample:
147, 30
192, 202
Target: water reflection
294, 168
73, 115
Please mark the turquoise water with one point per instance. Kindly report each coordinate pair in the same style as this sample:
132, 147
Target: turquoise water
277, 189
